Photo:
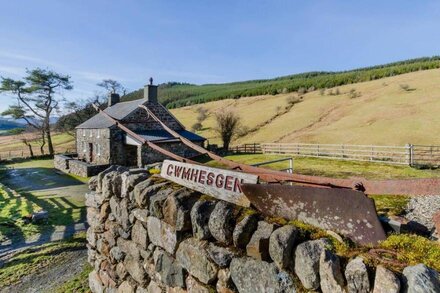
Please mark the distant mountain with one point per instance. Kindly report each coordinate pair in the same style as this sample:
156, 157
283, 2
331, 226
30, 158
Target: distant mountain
7, 124
22, 122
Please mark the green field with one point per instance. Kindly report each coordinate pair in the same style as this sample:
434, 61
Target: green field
34, 185
334, 168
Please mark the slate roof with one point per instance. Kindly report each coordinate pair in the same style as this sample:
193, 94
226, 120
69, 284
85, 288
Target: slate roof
121, 110
162, 135
118, 111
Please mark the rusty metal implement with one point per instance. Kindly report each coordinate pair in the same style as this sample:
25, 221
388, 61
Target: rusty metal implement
348, 212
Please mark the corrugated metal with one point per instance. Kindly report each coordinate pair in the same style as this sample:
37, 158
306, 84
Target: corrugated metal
162, 135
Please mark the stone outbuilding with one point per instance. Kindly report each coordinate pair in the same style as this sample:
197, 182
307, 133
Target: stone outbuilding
100, 142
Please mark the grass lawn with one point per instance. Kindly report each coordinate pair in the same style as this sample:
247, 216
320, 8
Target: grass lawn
390, 205
37, 259
79, 283
334, 168
33, 185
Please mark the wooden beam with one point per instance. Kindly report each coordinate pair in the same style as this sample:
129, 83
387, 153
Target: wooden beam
265, 174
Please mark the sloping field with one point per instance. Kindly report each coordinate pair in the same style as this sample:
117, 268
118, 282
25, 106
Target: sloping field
389, 111
62, 142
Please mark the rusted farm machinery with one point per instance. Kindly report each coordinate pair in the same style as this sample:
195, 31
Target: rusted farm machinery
334, 204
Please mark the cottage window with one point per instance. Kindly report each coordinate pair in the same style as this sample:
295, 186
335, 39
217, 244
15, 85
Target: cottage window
84, 147
98, 135
84, 132
98, 149
91, 132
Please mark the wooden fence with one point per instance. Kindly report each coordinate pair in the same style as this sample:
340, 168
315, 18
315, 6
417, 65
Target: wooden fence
249, 148
411, 155
425, 155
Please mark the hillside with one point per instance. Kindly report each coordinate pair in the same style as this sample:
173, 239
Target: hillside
395, 110
174, 95
383, 112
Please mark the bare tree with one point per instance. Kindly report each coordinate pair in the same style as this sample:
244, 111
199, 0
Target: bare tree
113, 87
27, 138
196, 126
227, 126
78, 112
202, 114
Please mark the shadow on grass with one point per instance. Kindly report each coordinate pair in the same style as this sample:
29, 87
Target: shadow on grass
14, 206
37, 178
11, 230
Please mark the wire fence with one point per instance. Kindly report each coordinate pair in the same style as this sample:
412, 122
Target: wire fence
411, 155
15, 154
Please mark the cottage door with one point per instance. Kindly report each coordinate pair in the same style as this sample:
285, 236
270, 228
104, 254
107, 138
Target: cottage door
91, 152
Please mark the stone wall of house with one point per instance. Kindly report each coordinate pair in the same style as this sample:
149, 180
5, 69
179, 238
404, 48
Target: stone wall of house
139, 120
110, 149
118, 149
150, 235
100, 138
151, 156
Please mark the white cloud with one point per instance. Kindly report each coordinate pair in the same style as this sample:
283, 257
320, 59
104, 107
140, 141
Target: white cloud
14, 56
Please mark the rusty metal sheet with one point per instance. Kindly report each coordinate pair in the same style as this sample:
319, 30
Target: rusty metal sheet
348, 212
413, 187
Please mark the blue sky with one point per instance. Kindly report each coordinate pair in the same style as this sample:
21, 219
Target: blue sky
208, 41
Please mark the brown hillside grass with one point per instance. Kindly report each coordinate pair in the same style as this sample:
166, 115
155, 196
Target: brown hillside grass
383, 114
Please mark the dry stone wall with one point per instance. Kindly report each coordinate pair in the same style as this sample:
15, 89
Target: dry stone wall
69, 164
149, 235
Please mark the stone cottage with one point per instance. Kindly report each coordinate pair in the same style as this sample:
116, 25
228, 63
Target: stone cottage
100, 142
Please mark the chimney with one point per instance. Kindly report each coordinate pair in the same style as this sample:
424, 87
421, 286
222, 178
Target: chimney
113, 99
150, 92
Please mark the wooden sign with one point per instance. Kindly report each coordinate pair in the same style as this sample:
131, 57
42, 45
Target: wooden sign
219, 183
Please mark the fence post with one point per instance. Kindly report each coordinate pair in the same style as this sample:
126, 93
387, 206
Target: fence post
371, 156
410, 154
291, 165
342, 151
